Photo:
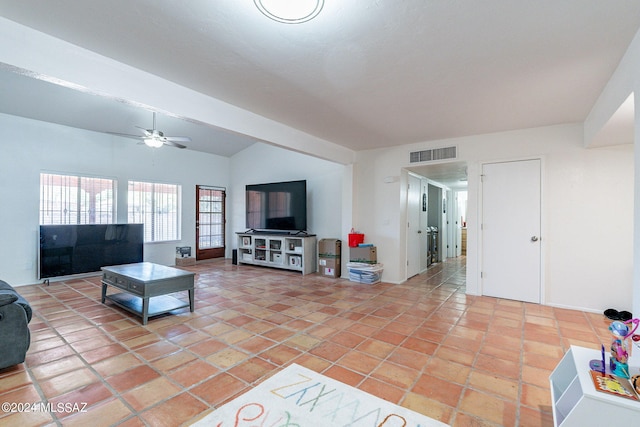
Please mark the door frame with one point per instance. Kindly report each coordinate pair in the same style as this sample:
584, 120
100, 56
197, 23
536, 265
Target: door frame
414, 231
543, 222
210, 253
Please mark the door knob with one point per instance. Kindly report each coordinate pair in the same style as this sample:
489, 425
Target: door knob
534, 238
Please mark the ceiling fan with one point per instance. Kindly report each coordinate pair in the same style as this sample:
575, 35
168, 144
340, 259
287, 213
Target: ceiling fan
155, 138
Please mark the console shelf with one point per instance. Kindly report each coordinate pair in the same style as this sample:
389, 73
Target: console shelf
289, 252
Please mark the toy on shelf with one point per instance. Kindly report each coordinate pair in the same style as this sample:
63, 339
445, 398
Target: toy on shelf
618, 361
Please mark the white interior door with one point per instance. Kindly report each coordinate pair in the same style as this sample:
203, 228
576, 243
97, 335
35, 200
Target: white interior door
414, 232
511, 250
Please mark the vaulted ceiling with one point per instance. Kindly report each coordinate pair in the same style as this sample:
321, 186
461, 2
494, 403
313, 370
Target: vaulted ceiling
364, 74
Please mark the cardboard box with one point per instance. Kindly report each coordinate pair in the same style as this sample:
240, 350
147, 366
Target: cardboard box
329, 248
329, 257
329, 267
185, 261
366, 254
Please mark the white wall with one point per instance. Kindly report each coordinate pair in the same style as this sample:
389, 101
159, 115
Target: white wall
587, 211
263, 163
28, 147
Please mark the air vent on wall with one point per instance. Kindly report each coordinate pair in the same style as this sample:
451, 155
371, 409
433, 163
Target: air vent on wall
433, 154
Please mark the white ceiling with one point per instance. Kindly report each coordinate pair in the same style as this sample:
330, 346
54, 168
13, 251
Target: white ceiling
364, 74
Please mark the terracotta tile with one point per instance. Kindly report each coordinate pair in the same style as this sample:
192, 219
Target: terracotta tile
57, 367
429, 407
93, 356
312, 362
227, 358
399, 376
66, 382
173, 361
360, 362
409, 358
193, 373
456, 355
500, 367
382, 390
175, 411
493, 384
22, 419
88, 395
303, 342
150, 393
117, 364
535, 397
205, 348
490, 408
376, 348
132, 378
329, 351
106, 414
344, 375
535, 417
253, 369
420, 346
217, 389
91, 343
438, 389
156, 350
448, 370
280, 355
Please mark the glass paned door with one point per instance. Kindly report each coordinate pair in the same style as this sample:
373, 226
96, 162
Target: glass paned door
210, 222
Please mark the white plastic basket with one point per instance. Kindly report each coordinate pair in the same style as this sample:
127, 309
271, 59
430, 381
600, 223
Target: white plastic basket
365, 273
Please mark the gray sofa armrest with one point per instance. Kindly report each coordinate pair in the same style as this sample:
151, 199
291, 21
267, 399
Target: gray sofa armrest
7, 297
6, 292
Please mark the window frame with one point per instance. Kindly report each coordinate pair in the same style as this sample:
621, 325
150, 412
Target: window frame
83, 206
156, 231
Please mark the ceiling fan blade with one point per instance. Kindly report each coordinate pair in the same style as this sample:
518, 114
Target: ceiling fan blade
125, 135
147, 132
173, 144
178, 138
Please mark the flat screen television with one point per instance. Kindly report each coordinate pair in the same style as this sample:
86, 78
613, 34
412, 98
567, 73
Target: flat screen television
84, 248
277, 206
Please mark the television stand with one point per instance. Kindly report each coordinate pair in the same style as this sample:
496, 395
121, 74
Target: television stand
285, 251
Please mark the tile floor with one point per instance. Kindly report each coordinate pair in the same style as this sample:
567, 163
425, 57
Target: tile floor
465, 360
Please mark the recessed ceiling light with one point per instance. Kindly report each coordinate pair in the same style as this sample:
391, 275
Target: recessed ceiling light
290, 11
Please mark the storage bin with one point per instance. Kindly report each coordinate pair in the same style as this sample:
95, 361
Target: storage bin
365, 273
355, 239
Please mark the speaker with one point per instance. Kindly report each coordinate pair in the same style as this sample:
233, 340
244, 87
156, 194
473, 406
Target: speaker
234, 257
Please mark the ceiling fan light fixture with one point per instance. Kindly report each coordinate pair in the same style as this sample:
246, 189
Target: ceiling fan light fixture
290, 11
153, 142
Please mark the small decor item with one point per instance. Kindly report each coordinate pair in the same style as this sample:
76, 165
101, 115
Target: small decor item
613, 384
618, 360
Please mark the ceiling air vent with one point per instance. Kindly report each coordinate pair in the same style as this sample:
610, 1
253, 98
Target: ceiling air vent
432, 155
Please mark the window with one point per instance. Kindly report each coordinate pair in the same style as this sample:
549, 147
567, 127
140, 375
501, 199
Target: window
70, 199
157, 207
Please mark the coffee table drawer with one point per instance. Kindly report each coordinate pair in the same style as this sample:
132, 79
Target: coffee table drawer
136, 288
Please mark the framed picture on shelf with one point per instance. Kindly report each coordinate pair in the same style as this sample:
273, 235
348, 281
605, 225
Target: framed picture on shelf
246, 241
